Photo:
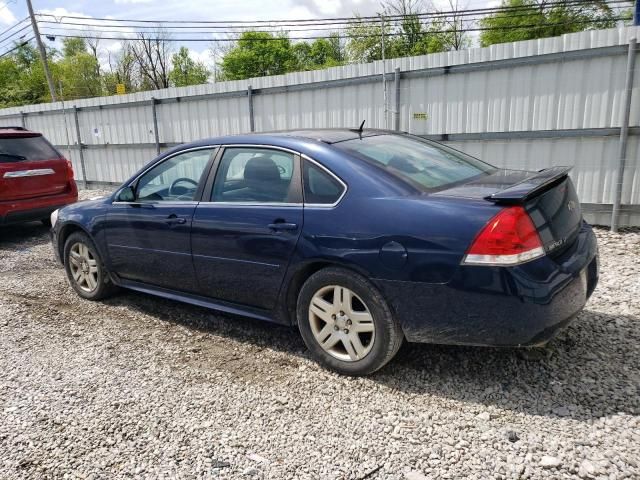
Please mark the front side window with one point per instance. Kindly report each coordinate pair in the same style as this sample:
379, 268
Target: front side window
320, 188
175, 179
426, 165
254, 175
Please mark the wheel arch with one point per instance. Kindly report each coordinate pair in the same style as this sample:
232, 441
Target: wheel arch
302, 274
64, 233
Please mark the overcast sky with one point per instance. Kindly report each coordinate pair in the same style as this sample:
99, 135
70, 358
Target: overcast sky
12, 11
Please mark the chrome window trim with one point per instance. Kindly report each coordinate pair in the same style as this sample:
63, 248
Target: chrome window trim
340, 181
137, 177
294, 152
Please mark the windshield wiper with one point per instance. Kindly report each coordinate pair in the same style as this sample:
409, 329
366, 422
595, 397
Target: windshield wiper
12, 155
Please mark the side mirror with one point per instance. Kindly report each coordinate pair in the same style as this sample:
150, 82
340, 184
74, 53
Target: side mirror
126, 195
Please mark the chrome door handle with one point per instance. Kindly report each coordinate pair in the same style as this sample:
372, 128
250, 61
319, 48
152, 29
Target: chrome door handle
283, 226
173, 219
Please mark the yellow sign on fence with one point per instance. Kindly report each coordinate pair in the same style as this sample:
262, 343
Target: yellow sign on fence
120, 89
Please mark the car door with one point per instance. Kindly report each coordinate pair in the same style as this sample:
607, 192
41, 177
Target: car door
148, 237
244, 235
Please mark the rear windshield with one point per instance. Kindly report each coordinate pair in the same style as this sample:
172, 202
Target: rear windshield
426, 165
18, 149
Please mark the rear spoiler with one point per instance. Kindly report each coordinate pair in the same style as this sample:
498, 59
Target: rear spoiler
522, 191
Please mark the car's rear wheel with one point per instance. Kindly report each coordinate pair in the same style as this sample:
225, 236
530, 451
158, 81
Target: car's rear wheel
85, 269
346, 323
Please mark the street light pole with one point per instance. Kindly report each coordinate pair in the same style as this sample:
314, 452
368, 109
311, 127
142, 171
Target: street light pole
43, 52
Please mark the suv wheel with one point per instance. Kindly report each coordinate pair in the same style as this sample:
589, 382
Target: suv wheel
85, 269
345, 322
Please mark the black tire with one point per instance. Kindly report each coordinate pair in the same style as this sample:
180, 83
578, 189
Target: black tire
104, 287
388, 333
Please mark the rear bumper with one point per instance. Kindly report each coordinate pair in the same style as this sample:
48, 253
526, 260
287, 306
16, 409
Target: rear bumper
30, 209
496, 306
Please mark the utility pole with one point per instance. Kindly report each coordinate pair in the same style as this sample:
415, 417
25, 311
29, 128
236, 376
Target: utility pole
384, 73
43, 52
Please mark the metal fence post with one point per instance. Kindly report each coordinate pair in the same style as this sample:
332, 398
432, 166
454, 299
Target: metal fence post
23, 119
396, 111
624, 135
156, 132
80, 147
251, 120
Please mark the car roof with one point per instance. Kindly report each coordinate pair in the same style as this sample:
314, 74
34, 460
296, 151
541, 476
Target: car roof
13, 131
290, 138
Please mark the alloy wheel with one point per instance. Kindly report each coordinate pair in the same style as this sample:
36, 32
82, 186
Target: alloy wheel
84, 267
341, 323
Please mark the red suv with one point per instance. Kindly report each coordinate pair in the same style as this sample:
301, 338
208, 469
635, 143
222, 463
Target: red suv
35, 178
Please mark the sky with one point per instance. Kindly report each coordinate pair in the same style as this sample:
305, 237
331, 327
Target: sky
12, 11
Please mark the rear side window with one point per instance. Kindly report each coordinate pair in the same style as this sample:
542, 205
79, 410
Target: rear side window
426, 165
18, 149
320, 187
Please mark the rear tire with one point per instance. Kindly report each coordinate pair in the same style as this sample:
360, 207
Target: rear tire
85, 270
346, 323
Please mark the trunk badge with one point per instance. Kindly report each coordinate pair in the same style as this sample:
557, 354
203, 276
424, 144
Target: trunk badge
571, 205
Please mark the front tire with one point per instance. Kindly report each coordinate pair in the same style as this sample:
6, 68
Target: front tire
346, 323
85, 269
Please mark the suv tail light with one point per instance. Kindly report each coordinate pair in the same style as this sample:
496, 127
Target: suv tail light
70, 169
509, 238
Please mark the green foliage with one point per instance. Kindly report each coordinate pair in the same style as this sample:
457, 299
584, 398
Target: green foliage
543, 21
187, 71
259, 54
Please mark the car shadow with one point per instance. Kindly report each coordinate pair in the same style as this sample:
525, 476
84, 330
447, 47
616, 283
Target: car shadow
590, 370
23, 232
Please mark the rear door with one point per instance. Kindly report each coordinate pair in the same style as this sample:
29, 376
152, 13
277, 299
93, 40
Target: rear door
31, 167
246, 231
148, 239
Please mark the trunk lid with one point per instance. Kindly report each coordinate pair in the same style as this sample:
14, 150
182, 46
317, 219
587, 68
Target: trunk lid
31, 167
548, 196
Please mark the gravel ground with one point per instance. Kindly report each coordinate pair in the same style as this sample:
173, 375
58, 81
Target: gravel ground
139, 387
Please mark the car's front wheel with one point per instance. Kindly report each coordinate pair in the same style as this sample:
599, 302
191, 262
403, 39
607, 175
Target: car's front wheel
85, 270
346, 323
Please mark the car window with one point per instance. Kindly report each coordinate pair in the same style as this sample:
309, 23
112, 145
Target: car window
175, 179
19, 149
426, 165
319, 186
254, 175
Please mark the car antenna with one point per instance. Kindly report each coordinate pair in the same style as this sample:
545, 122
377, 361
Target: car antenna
360, 128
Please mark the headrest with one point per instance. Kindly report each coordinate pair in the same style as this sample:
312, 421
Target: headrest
261, 169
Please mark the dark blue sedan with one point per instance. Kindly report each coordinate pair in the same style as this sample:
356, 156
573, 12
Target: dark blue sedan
360, 238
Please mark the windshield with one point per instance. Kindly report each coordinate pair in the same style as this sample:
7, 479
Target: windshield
426, 165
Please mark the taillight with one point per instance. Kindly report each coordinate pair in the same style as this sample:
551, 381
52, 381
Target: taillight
70, 168
509, 238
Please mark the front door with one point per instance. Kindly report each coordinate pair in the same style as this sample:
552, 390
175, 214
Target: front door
148, 238
244, 236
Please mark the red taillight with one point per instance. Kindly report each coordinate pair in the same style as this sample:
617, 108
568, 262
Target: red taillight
70, 169
508, 238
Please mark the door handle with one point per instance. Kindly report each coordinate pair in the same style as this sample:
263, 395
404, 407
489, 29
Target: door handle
283, 226
173, 219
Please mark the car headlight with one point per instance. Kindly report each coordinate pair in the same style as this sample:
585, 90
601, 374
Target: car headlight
54, 218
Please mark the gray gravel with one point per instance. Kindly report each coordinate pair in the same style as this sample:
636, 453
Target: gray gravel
139, 387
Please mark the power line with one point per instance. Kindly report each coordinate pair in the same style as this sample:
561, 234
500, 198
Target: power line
394, 34
13, 26
25, 42
336, 20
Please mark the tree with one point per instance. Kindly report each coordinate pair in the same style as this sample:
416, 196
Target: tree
152, 55
122, 70
187, 71
77, 73
536, 19
259, 54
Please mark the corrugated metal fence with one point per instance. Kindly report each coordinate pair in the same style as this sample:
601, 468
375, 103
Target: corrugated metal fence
533, 104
